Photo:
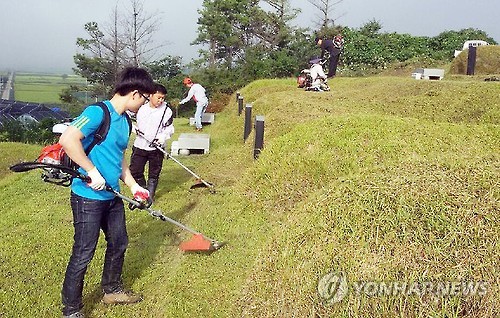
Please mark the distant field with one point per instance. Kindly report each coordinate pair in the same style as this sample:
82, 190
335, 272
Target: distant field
43, 88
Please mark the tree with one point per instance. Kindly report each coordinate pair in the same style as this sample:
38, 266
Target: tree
12, 130
371, 28
249, 40
31, 132
126, 41
326, 8
272, 27
447, 42
139, 34
166, 68
225, 26
168, 71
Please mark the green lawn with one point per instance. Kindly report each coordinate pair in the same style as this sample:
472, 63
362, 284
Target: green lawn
383, 179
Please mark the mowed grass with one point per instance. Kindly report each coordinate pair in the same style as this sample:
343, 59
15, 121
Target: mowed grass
382, 179
43, 88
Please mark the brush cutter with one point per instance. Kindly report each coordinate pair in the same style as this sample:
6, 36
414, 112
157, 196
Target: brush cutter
200, 183
197, 243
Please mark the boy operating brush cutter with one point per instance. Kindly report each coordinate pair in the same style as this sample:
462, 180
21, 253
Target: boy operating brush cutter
200, 183
93, 207
155, 121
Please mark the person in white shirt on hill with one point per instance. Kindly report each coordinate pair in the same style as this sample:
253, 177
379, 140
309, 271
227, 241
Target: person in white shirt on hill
318, 76
197, 93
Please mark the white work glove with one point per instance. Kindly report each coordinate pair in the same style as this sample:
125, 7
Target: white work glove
162, 137
97, 182
140, 194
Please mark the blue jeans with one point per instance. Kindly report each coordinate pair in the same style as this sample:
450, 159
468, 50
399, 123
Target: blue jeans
201, 106
89, 217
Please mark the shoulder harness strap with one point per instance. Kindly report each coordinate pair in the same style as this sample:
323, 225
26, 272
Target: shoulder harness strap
129, 121
102, 130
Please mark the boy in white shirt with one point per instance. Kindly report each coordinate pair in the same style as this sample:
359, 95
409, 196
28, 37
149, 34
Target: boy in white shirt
155, 123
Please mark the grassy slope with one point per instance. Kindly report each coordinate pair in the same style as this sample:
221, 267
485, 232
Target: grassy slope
487, 61
382, 178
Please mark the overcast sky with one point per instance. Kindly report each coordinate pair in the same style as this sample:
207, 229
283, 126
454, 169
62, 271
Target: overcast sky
40, 35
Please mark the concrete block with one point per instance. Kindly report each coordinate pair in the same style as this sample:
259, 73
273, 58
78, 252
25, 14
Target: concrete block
206, 118
195, 143
174, 148
428, 73
433, 73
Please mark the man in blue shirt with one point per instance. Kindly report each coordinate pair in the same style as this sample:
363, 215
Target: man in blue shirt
93, 207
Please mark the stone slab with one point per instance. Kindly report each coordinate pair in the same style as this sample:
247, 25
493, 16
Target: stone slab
206, 118
428, 73
194, 141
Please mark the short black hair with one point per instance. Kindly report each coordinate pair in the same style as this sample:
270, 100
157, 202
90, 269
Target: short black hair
134, 78
316, 39
160, 89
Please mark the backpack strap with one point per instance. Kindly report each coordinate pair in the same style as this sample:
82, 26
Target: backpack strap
161, 121
129, 121
171, 119
102, 131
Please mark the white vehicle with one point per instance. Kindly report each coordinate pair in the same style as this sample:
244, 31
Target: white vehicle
474, 43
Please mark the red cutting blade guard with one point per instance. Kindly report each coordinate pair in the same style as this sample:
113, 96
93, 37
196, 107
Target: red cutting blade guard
197, 243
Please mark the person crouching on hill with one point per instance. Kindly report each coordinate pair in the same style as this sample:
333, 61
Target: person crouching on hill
318, 77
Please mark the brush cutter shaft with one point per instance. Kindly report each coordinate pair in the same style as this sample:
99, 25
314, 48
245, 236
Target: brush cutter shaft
167, 155
198, 242
177, 161
158, 214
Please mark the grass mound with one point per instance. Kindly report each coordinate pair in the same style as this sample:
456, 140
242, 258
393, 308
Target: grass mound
379, 199
12, 153
487, 61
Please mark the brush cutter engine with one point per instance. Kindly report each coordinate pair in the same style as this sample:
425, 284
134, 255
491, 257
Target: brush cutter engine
54, 155
56, 176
